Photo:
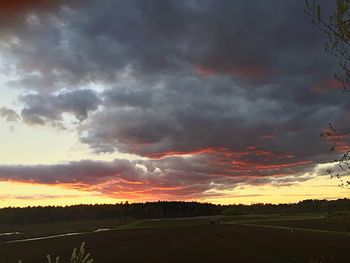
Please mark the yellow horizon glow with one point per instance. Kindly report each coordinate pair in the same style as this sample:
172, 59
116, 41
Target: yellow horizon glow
17, 194
321, 187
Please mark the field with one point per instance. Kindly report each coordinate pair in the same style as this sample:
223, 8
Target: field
298, 238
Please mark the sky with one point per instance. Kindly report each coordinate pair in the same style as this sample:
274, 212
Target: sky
215, 101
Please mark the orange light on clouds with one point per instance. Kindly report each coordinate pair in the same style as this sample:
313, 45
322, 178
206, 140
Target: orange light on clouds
17, 194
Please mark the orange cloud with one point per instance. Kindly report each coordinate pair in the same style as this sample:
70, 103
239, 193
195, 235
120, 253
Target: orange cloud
250, 150
253, 166
166, 175
210, 150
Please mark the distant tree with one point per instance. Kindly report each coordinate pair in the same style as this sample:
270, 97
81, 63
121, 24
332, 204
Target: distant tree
336, 25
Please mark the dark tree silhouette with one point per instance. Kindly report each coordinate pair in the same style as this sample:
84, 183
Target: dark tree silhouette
148, 210
336, 25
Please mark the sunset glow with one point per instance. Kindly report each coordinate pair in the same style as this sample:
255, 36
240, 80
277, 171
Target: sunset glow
178, 100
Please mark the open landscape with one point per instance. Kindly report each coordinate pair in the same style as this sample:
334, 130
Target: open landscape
192, 241
174, 131
302, 237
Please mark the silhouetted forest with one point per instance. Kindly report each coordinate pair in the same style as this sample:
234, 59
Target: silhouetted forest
160, 209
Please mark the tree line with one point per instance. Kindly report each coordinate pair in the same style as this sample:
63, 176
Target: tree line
160, 209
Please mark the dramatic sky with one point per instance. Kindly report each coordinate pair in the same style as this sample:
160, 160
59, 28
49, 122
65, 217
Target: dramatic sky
209, 100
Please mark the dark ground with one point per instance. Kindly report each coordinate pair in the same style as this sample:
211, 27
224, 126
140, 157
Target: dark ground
189, 241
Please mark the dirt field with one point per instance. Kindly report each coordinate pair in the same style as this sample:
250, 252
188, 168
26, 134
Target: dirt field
189, 241
331, 223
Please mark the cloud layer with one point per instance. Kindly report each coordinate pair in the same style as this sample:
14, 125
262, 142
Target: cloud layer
211, 94
187, 177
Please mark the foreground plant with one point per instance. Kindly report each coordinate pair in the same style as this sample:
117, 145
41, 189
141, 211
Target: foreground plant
78, 256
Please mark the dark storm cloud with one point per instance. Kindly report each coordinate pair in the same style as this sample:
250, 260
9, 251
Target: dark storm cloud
193, 113
182, 77
95, 42
42, 108
84, 172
